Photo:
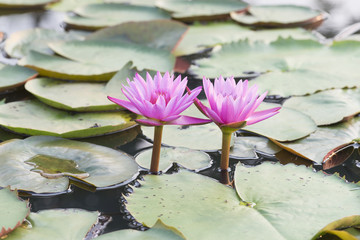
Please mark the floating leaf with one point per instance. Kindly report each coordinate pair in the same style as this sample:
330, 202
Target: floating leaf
288, 125
96, 16
13, 211
200, 9
37, 164
73, 96
58, 67
200, 37
134, 2
23, 3
14, 76
294, 67
329, 106
316, 146
57, 224
247, 147
190, 159
279, 16
20, 43
159, 231
201, 137
270, 201
69, 5
31, 117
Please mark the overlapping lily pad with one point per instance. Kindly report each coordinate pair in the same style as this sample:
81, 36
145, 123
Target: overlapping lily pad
32, 117
278, 16
100, 15
13, 4
295, 67
14, 76
247, 147
320, 143
159, 231
43, 164
58, 67
200, 9
20, 43
269, 200
57, 224
13, 211
190, 159
342, 228
69, 5
200, 37
327, 107
288, 125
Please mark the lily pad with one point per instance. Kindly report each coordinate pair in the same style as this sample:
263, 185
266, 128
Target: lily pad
44, 164
58, 224
20, 43
329, 106
115, 54
159, 34
73, 96
13, 211
272, 206
32, 117
134, 2
190, 159
294, 67
200, 9
336, 228
247, 147
278, 16
58, 67
69, 5
288, 125
100, 15
12, 4
201, 137
200, 37
316, 146
159, 231
14, 76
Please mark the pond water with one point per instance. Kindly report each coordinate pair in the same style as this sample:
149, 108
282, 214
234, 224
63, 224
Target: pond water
110, 201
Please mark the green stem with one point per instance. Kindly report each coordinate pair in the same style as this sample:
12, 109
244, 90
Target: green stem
225, 151
155, 158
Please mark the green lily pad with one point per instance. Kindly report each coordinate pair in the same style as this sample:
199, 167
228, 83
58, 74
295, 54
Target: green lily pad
115, 54
278, 16
13, 211
190, 159
247, 147
14, 76
206, 137
200, 37
295, 67
292, 218
134, 2
20, 43
159, 231
57, 224
96, 16
336, 228
287, 125
73, 96
271, 210
200, 9
58, 67
316, 146
43, 164
329, 106
31, 117
69, 5
159, 34
23, 3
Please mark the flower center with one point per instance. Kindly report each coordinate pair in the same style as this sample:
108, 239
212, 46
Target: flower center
157, 94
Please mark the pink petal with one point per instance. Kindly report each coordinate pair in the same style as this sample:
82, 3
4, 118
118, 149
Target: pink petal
262, 115
148, 122
125, 104
187, 120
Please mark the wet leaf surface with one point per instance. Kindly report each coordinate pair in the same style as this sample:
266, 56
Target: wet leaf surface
247, 147
14, 76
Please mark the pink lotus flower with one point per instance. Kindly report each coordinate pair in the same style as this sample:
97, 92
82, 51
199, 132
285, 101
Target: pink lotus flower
160, 100
233, 105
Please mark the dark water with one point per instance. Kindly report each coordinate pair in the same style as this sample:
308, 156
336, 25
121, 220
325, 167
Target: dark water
110, 202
